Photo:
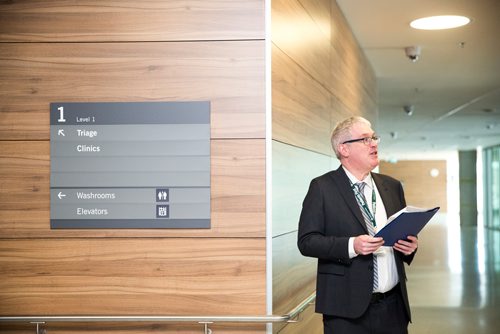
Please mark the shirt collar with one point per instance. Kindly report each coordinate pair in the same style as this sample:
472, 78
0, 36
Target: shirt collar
354, 180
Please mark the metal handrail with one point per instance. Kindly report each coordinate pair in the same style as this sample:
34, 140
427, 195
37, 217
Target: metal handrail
288, 317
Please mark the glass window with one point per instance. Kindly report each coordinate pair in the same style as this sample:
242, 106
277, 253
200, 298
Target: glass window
491, 163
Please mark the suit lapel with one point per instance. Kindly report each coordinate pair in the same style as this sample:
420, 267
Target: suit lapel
387, 196
342, 181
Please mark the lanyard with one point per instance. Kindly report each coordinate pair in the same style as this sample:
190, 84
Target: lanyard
362, 202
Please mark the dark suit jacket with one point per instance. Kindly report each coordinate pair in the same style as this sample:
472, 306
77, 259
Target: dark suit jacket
330, 216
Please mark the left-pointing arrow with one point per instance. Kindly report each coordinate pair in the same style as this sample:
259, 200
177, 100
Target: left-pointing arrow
61, 195
61, 132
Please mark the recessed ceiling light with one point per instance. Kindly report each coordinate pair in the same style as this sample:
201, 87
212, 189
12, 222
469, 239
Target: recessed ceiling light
440, 22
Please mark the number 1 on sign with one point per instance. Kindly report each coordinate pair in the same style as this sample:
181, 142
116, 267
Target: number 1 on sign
61, 115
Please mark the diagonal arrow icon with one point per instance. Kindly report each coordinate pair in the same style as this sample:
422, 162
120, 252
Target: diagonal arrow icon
61, 132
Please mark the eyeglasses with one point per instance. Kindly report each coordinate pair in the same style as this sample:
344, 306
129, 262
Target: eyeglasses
365, 140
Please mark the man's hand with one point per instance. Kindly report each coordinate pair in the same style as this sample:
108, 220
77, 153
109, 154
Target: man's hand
407, 247
366, 244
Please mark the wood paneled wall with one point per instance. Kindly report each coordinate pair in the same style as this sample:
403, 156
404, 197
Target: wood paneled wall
319, 73
120, 51
319, 76
98, 51
421, 189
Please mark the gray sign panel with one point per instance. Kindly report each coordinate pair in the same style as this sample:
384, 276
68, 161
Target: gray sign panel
130, 165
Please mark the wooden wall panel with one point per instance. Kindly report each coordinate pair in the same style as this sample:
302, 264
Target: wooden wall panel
421, 189
352, 80
298, 35
134, 328
129, 51
238, 193
132, 276
318, 77
320, 13
301, 106
128, 20
229, 74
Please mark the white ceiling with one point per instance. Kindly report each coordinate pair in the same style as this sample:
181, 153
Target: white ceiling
454, 86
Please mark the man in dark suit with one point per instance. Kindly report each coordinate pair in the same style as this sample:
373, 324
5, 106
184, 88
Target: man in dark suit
361, 285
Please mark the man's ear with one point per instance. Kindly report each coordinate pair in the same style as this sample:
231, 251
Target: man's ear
343, 150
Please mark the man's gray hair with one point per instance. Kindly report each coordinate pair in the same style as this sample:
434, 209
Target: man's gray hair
342, 132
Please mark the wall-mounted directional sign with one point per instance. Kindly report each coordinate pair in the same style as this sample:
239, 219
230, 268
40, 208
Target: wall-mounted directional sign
130, 165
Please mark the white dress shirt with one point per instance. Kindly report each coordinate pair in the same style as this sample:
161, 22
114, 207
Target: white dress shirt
387, 271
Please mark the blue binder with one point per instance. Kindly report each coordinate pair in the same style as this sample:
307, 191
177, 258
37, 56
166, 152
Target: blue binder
405, 224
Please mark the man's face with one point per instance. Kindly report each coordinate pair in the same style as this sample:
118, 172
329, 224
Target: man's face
361, 156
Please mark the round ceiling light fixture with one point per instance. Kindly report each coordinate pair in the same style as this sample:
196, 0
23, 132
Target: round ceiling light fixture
440, 22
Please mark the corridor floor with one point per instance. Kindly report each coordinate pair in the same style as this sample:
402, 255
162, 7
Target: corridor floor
454, 281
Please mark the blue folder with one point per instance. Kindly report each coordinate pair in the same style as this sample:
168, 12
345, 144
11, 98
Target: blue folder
407, 223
